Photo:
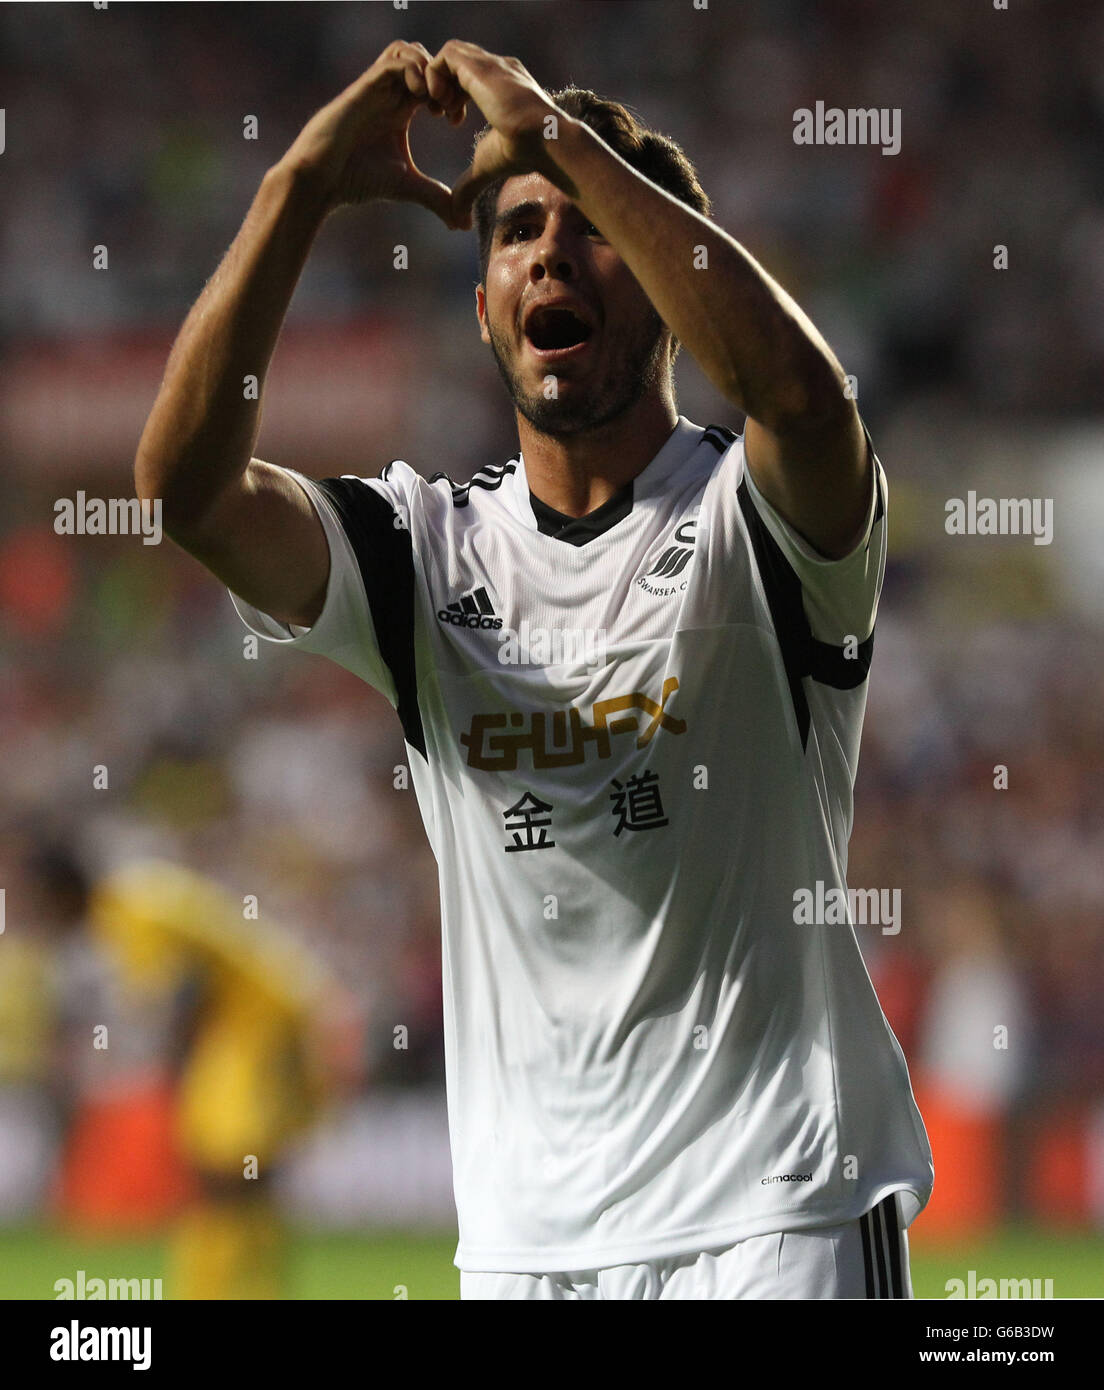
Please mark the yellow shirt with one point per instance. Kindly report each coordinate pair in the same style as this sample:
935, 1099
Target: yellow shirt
253, 1076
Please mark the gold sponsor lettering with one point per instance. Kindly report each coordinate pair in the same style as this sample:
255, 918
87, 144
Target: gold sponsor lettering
496, 751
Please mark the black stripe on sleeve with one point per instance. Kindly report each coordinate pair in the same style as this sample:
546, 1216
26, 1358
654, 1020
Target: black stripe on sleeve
879, 498
877, 1221
893, 1225
802, 653
868, 1263
385, 555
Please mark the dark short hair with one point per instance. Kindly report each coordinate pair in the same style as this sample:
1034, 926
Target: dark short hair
656, 156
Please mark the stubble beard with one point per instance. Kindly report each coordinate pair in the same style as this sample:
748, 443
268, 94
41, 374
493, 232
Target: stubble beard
628, 372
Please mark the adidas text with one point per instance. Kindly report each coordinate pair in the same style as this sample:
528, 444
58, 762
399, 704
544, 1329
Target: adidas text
473, 610
483, 620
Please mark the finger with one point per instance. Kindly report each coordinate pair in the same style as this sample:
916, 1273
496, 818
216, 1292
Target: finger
487, 165
444, 86
413, 70
465, 191
454, 104
414, 76
429, 193
455, 51
412, 59
467, 67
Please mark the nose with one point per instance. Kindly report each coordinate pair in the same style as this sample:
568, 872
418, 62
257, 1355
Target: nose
552, 255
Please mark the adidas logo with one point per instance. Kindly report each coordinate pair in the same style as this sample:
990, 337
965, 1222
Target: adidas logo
473, 610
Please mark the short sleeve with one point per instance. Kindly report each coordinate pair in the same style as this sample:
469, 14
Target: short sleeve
357, 516
840, 597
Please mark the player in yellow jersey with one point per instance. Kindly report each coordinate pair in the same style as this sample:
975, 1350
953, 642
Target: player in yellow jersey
250, 1060
29, 1119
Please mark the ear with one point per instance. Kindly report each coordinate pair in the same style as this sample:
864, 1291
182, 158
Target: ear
481, 310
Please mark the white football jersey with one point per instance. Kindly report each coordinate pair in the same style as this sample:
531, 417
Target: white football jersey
633, 738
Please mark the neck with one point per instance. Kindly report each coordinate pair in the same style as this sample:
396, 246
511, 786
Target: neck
578, 473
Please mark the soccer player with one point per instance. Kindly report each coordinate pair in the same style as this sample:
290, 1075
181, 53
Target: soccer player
630, 665
252, 1074
233, 1070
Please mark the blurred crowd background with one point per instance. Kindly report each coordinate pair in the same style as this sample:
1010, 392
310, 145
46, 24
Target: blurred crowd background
277, 775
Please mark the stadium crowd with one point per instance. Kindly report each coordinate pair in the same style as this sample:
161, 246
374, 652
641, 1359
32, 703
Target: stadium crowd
282, 776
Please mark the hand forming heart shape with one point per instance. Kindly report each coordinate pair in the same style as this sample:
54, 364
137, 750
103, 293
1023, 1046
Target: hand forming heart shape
357, 149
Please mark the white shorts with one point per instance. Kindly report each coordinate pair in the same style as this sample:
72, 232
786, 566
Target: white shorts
867, 1258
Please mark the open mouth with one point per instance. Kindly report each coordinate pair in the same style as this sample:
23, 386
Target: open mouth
556, 330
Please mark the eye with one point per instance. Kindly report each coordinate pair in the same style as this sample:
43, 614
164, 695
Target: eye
592, 230
515, 233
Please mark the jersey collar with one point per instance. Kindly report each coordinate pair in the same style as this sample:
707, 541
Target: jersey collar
539, 516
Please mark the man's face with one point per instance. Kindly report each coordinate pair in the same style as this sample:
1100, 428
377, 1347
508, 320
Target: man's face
574, 336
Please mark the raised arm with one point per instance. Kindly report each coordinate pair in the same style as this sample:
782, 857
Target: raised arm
249, 522
804, 441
